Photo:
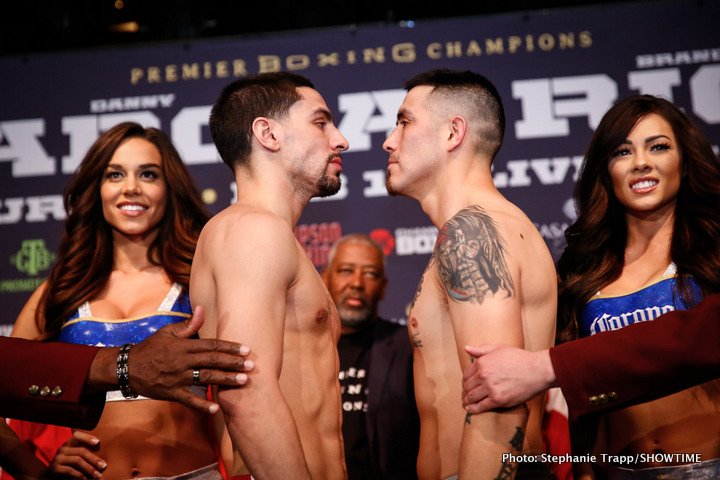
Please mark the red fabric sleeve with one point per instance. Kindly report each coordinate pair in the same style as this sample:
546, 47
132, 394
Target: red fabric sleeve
61, 367
641, 362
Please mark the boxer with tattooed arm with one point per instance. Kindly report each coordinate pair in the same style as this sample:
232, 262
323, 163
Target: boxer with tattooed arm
490, 277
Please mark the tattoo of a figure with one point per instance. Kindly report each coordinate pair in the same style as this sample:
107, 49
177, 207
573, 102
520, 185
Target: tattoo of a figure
471, 257
508, 468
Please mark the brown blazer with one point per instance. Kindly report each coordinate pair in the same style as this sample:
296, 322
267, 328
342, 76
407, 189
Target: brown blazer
642, 362
43, 382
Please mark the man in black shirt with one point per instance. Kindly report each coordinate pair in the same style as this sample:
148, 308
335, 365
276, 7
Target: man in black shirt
381, 427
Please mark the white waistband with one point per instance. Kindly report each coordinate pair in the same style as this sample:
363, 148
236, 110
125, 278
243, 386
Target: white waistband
116, 395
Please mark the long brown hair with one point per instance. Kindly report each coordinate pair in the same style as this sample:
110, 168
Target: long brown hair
85, 257
596, 241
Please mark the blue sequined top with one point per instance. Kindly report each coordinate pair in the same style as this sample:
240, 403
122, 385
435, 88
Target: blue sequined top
85, 329
606, 313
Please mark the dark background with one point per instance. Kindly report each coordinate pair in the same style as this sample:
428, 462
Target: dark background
32, 26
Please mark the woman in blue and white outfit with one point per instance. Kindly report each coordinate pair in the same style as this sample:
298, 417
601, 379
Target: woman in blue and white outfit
646, 241
122, 272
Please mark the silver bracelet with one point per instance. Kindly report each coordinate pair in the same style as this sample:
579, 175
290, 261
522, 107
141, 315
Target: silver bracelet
123, 377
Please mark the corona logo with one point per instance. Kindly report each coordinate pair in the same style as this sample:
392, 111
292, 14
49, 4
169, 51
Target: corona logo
33, 257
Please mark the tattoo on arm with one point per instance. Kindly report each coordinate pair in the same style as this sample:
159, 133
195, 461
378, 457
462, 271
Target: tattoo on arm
471, 257
508, 468
517, 441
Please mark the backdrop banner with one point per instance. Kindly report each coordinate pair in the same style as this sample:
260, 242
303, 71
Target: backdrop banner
557, 71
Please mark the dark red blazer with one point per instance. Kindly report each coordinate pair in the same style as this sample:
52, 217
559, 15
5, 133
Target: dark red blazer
642, 362
27, 367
